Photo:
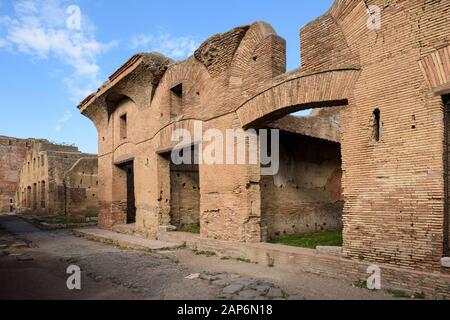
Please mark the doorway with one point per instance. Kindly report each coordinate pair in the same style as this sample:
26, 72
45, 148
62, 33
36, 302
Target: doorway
185, 196
131, 205
185, 192
446, 103
304, 200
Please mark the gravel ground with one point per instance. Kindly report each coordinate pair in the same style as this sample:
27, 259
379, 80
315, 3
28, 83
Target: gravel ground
33, 265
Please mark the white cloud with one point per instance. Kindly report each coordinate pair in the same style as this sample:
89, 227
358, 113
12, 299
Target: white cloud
172, 46
38, 29
66, 117
3, 43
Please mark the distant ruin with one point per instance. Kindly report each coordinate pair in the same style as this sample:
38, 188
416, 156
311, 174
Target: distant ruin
58, 180
47, 179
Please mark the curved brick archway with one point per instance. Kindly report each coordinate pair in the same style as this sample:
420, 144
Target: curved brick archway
436, 70
298, 91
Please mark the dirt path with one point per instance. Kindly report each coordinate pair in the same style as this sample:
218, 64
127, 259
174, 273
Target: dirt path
33, 265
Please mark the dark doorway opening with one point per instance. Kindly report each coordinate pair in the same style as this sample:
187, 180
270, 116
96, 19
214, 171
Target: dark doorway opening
185, 196
185, 192
446, 102
302, 203
131, 205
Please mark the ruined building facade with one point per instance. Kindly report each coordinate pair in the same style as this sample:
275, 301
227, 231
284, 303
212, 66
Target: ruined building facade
58, 180
392, 82
12, 156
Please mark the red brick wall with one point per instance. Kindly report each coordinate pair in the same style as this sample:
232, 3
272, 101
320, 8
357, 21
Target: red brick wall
394, 211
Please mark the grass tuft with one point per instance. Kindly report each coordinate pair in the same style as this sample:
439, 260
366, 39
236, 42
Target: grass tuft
311, 241
195, 229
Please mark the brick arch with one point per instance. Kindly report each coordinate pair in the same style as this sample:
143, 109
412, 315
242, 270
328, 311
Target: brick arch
298, 91
190, 71
137, 79
114, 99
436, 70
164, 137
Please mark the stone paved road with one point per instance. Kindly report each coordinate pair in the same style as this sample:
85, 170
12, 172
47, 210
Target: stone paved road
39, 271
33, 265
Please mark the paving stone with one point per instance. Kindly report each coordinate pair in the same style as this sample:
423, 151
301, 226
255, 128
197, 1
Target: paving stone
246, 282
239, 298
249, 294
275, 293
233, 288
262, 288
225, 296
221, 282
208, 277
19, 245
24, 258
296, 298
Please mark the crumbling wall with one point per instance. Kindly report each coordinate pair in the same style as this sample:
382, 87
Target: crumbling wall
12, 156
322, 123
42, 189
393, 186
305, 196
330, 49
81, 189
58, 164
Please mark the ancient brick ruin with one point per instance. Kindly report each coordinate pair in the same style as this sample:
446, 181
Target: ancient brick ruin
12, 156
391, 86
57, 180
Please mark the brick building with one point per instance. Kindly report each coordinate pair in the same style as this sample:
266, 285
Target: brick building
12, 156
57, 180
392, 83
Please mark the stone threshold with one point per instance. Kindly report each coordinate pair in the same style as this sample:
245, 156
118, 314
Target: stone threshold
46, 226
127, 241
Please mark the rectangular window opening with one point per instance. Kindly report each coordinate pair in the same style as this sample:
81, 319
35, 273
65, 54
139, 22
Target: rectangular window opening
177, 90
123, 126
176, 100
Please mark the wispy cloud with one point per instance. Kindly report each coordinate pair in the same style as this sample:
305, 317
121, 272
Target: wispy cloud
66, 117
176, 47
38, 28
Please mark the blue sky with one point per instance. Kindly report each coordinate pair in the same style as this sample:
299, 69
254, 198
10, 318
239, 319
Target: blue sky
47, 68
